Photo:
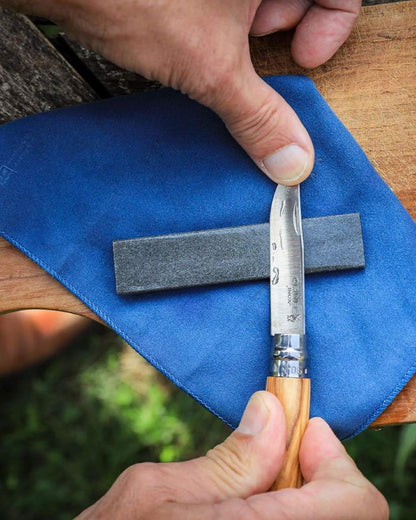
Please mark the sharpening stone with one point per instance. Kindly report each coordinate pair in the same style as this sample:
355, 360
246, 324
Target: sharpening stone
234, 254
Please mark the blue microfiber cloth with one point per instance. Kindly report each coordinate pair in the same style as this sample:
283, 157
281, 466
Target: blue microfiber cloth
74, 180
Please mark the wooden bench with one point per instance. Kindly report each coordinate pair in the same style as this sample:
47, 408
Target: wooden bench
370, 84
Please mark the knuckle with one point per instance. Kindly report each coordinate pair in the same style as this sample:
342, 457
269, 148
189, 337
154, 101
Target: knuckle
139, 473
154, 482
381, 506
143, 477
369, 498
258, 125
213, 83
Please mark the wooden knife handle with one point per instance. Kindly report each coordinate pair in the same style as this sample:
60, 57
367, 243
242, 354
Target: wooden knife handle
294, 394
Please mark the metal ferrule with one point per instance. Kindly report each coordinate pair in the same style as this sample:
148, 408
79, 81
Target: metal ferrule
289, 356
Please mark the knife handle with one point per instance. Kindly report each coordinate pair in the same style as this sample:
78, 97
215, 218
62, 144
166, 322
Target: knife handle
294, 394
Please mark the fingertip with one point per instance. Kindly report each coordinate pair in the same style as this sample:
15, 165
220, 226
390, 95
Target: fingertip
266, 447
321, 33
319, 435
321, 452
271, 401
277, 415
319, 422
270, 131
306, 56
262, 411
289, 165
277, 15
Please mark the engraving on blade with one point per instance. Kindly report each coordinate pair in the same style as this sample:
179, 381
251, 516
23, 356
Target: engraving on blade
286, 263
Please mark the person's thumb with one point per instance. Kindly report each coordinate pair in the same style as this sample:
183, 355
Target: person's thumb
247, 462
266, 127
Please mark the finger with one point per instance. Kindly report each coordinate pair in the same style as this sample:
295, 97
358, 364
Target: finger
323, 30
333, 481
322, 456
343, 503
266, 127
277, 15
199, 489
335, 487
246, 463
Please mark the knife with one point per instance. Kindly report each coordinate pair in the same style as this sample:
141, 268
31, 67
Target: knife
288, 379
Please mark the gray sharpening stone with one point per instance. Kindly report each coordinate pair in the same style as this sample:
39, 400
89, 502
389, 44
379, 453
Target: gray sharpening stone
230, 254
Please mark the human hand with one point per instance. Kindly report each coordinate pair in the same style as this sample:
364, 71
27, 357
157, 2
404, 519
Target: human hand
232, 480
201, 48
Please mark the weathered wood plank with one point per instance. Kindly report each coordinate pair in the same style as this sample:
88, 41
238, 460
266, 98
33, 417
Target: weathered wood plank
25, 285
401, 410
33, 78
33, 75
116, 81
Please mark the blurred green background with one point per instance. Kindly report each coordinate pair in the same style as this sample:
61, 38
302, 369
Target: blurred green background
68, 428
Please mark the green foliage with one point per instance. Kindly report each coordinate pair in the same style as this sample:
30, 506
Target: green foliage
387, 459
70, 427
407, 445
49, 30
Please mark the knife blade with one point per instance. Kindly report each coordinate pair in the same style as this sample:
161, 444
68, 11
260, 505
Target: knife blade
288, 379
286, 263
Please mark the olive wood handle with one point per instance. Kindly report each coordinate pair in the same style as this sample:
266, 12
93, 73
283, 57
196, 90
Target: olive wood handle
294, 394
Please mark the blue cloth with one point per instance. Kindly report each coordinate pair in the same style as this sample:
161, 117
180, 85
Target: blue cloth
74, 180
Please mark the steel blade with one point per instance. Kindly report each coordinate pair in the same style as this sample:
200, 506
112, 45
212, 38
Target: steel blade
287, 299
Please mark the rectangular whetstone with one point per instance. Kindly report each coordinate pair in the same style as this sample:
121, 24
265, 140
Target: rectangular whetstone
230, 254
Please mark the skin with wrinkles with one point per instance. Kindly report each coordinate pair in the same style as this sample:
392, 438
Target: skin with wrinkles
201, 48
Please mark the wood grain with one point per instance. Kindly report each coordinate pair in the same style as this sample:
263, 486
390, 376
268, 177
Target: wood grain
294, 394
401, 410
370, 84
33, 76
115, 80
25, 285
